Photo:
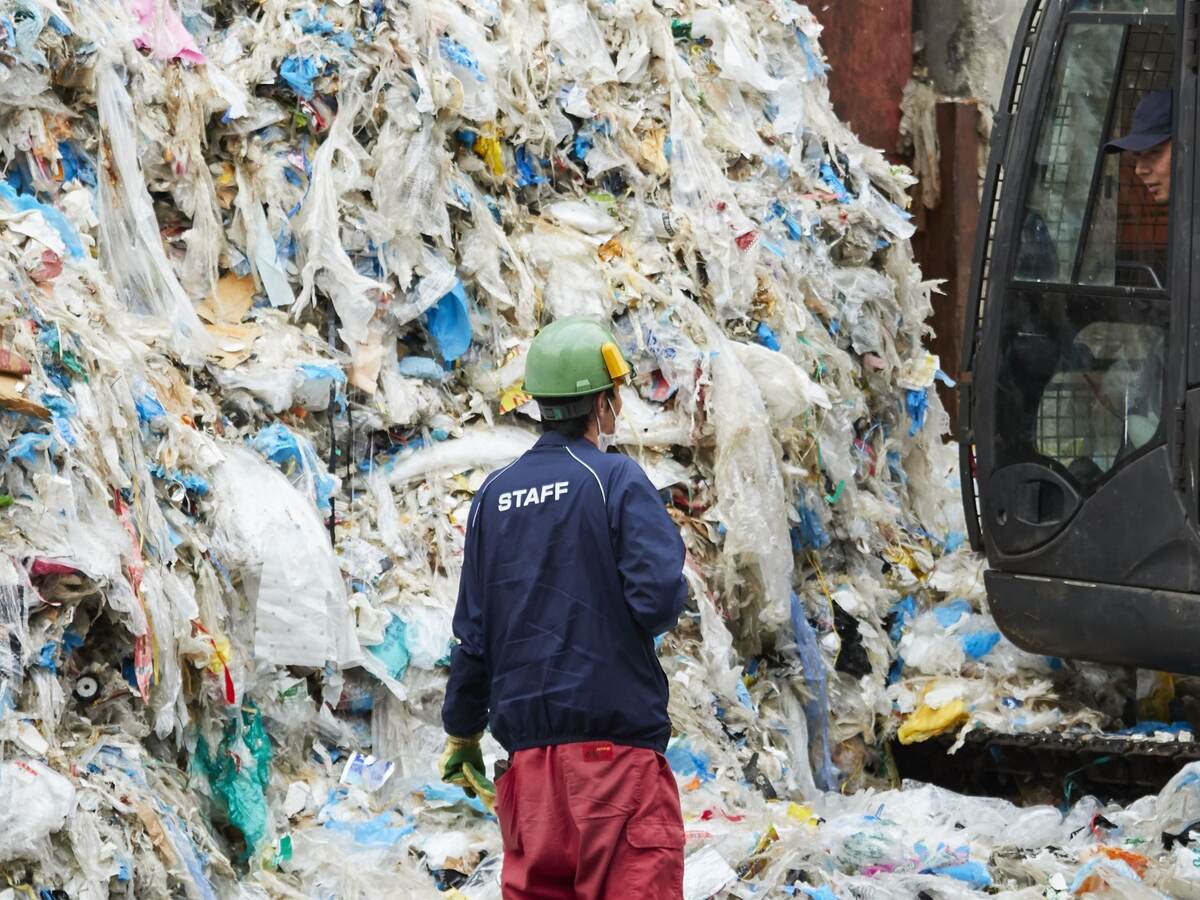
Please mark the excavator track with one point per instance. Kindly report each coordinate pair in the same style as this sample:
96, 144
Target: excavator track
1052, 768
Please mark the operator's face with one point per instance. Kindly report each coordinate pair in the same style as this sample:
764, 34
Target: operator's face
1153, 166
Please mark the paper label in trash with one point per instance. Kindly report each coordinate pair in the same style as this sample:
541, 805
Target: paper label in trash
705, 873
366, 772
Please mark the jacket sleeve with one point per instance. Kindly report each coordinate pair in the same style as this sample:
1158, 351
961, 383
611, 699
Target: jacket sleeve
465, 709
649, 551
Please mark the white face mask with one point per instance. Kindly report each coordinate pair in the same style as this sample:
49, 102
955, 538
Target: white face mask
606, 440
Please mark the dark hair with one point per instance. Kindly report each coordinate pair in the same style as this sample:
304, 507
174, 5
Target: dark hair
575, 427
571, 429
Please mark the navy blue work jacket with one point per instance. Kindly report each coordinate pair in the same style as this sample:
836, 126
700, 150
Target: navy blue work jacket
571, 568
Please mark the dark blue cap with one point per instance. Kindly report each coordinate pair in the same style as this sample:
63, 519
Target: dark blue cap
1151, 124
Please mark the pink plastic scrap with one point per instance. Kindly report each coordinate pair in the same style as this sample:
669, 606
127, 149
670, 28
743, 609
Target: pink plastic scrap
40, 567
164, 33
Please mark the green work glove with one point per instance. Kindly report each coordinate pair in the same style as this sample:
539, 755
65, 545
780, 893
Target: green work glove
460, 753
481, 785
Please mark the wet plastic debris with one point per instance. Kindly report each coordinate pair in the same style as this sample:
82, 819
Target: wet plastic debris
271, 271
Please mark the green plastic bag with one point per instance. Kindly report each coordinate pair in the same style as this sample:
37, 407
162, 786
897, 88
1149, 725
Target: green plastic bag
238, 774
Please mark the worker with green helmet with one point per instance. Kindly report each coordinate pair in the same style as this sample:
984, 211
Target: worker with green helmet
572, 567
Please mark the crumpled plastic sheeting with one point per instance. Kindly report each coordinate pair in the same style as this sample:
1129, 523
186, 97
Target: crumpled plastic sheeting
243, 243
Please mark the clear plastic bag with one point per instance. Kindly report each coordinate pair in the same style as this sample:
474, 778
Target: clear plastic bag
34, 803
131, 248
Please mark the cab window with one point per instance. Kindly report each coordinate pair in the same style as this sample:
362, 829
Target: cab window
1086, 318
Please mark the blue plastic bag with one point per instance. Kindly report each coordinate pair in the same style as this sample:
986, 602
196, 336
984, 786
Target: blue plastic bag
449, 322
300, 72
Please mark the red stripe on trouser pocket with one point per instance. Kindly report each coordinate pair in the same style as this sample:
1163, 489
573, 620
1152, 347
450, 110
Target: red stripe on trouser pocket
594, 821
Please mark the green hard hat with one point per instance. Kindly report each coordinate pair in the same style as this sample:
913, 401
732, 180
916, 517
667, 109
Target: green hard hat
570, 361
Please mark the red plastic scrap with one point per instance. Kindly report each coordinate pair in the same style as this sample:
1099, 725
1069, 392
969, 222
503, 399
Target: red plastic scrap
746, 241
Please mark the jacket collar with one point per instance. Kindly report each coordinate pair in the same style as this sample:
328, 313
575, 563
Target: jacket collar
554, 439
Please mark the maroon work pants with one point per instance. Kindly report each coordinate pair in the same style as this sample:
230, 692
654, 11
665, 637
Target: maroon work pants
594, 821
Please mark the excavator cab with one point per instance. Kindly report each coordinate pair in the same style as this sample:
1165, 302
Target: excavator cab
1080, 418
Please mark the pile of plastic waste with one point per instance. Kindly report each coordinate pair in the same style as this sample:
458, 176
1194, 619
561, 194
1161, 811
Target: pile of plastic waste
270, 273
924, 841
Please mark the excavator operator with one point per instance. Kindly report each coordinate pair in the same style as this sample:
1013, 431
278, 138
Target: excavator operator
1150, 143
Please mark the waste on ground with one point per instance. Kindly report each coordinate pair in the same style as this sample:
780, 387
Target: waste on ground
271, 270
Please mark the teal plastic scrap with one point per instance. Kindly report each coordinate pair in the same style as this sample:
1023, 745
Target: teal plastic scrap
393, 651
238, 774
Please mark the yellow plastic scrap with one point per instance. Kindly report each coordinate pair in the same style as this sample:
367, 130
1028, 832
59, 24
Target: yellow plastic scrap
901, 555
489, 148
1155, 696
512, 397
803, 815
927, 722
611, 249
221, 656
653, 151
768, 838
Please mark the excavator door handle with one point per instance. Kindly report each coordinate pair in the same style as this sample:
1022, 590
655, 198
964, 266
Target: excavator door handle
1027, 505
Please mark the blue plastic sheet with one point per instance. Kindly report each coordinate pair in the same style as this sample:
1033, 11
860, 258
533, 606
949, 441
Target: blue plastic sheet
951, 611
972, 873
25, 446
834, 183
816, 68
187, 851
526, 173
687, 761
917, 403
451, 793
979, 644
449, 323
294, 455
460, 56
584, 141
1148, 728
779, 211
188, 480
61, 412
310, 24
76, 164
54, 218
320, 25
148, 407
766, 336
299, 72
810, 533
816, 708
383, 830
47, 657
904, 611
